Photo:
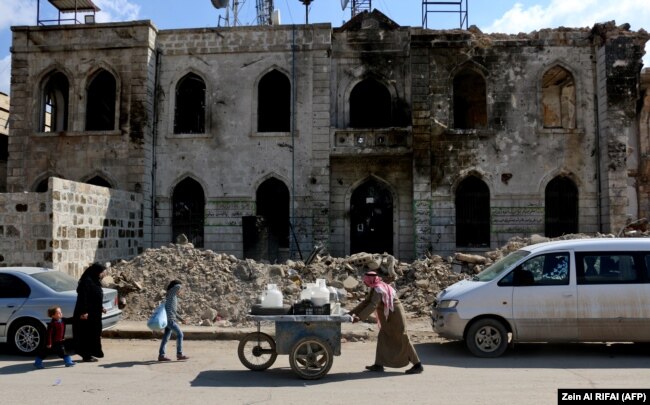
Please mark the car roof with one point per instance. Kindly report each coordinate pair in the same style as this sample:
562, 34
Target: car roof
26, 270
586, 245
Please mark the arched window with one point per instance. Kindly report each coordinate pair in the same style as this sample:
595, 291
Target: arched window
54, 106
558, 99
561, 208
100, 106
470, 106
99, 181
370, 105
189, 114
188, 211
472, 213
42, 186
274, 103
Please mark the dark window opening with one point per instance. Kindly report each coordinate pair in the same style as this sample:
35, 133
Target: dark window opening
561, 208
99, 181
470, 106
274, 103
370, 105
267, 234
100, 107
188, 205
189, 115
472, 213
4, 148
54, 111
558, 99
42, 186
371, 219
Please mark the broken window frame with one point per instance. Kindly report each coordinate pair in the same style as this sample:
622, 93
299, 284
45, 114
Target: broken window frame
370, 99
273, 113
53, 114
564, 98
190, 101
101, 102
469, 113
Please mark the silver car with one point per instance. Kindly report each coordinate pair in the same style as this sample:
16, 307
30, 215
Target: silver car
25, 295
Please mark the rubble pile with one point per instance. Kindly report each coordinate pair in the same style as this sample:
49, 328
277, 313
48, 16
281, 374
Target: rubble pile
221, 289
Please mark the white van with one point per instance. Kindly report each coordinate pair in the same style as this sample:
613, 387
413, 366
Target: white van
582, 290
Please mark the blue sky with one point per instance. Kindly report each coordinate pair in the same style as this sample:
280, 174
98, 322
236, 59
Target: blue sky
489, 15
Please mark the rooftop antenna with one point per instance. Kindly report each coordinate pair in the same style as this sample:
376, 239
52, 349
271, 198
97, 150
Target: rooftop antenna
222, 4
458, 6
359, 6
306, 3
264, 12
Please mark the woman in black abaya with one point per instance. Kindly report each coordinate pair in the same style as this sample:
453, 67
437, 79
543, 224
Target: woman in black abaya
87, 326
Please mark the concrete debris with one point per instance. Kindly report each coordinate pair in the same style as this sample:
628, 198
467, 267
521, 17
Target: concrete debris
221, 289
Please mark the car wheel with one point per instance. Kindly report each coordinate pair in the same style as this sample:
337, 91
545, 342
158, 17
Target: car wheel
487, 338
26, 336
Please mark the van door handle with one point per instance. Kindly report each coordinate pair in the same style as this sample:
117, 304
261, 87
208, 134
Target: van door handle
567, 295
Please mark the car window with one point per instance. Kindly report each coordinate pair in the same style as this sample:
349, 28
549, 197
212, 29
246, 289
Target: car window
606, 268
57, 280
548, 269
13, 287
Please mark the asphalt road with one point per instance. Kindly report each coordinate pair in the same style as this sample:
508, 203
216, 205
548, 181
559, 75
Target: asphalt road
129, 374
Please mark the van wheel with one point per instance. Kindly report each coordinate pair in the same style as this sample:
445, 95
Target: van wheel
487, 338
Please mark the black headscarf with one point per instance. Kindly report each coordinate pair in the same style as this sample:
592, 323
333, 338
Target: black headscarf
91, 274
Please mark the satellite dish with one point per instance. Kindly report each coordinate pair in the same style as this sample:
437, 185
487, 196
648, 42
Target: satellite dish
344, 4
220, 3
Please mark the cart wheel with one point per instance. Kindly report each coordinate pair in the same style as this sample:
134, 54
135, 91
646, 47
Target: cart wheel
256, 351
311, 358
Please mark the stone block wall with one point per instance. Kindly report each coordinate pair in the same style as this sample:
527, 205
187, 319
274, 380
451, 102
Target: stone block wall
70, 226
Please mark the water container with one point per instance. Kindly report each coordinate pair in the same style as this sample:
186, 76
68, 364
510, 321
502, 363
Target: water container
272, 297
320, 295
306, 293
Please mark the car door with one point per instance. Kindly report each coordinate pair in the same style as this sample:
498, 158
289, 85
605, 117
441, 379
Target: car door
544, 302
13, 294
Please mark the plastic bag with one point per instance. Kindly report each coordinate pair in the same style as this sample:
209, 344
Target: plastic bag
158, 319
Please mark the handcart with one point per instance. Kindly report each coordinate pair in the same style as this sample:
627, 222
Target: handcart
311, 341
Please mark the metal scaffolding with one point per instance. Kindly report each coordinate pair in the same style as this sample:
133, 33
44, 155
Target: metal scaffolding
86, 8
359, 6
459, 7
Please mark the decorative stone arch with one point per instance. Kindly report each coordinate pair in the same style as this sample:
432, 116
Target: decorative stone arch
558, 95
482, 175
388, 240
101, 175
183, 176
173, 87
561, 196
104, 123
468, 86
61, 119
362, 76
278, 113
257, 183
40, 184
472, 206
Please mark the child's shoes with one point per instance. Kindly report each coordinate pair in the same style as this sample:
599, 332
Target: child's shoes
39, 364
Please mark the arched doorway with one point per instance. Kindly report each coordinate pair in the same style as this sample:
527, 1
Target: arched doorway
266, 236
371, 218
472, 213
188, 205
561, 207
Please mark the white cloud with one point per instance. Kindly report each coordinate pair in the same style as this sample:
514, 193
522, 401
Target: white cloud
117, 10
573, 13
17, 12
5, 74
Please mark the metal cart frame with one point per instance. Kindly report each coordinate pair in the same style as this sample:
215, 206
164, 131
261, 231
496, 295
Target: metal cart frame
311, 341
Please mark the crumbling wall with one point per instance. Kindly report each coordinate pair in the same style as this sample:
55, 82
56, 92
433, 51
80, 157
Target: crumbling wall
69, 226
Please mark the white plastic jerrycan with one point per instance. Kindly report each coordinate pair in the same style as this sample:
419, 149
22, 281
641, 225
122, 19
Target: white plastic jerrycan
272, 297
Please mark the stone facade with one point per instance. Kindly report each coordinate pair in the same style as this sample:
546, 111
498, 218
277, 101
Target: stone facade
4, 141
69, 227
398, 139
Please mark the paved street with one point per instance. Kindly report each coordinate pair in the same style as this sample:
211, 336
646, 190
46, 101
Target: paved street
530, 374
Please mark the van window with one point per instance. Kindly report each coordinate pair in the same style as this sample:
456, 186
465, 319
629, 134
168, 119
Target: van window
497, 268
606, 268
548, 269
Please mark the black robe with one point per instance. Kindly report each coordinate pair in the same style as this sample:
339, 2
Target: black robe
88, 332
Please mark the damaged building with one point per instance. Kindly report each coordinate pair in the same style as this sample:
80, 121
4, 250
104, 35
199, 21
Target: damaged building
262, 141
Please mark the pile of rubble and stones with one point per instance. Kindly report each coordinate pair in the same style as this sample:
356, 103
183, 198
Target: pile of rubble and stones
221, 289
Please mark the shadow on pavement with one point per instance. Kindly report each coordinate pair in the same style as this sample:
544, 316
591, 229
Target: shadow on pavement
276, 377
539, 355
